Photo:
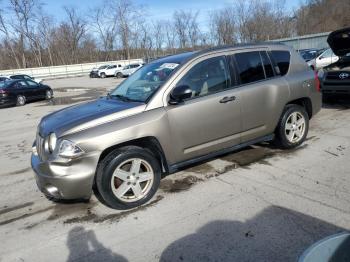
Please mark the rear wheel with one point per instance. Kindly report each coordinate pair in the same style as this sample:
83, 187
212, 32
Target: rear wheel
128, 177
293, 127
21, 100
103, 75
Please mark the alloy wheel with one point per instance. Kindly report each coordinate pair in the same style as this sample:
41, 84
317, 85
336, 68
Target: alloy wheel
132, 180
295, 127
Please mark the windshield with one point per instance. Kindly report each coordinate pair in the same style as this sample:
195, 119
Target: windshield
102, 67
144, 82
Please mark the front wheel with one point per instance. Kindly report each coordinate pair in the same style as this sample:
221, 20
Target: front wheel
103, 75
293, 127
48, 95
119, 75
128, 177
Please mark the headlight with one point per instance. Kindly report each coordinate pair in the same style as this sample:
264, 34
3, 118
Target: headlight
52, 142
69, 149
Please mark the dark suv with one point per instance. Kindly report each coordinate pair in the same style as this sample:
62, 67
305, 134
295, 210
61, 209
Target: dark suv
173, 112
335, 78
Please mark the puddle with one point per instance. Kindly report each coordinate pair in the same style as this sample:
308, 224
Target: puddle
171, 186
200, 169
94, 218
68, 100
249, 156
87, 95
72, 89
70, 208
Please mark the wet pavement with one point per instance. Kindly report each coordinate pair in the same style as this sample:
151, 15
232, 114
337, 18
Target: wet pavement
257, 204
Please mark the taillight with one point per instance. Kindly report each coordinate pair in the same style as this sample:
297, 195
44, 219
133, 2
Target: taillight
317, 82
3, 91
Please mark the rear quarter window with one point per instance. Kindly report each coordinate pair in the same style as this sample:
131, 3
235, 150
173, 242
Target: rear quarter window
282, 59
250, 67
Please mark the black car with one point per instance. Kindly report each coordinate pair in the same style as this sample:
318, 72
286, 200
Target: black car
18, 92
335, 78
94, 71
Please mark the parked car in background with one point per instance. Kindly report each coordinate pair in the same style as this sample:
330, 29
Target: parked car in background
26, 77
335, 78
110, 70
94, 71
324, 59
309, 54
173, 112
128, 70
18, 92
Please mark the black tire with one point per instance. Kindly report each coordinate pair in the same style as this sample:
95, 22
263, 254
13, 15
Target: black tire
107, 167
48, 95
281, 136
119, 75
21, 100
103, 75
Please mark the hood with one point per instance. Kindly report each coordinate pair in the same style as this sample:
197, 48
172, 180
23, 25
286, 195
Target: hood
339, 41
75, 118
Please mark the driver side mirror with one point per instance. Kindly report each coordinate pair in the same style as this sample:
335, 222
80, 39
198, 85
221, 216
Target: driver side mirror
179, 94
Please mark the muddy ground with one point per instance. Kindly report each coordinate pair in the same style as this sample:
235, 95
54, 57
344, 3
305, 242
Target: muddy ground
257, 204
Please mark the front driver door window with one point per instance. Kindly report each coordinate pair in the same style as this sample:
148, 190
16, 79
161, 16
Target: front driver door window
206, 122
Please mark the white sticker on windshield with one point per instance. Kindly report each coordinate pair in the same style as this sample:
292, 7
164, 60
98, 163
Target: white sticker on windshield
169, 65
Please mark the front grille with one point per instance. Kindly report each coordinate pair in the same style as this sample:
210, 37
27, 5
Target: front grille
335, 75
40, 146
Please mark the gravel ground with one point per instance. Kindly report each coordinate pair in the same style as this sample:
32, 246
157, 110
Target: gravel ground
258, 204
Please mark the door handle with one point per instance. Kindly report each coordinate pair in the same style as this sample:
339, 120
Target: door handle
227, 99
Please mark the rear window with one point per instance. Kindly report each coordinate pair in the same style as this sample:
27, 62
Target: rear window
282, 59
250, 67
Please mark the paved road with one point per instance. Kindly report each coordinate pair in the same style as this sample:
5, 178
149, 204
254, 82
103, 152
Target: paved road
258, 204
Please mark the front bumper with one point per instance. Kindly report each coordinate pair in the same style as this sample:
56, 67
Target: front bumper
94, 74
71, 180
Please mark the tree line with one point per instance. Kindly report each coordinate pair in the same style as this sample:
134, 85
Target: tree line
121, 29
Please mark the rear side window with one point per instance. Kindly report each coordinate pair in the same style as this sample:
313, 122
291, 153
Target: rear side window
250, 67
282, 59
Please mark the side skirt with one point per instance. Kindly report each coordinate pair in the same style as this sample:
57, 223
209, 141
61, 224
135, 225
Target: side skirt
175, 167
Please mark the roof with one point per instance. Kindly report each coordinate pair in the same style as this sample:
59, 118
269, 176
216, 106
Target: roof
183, 57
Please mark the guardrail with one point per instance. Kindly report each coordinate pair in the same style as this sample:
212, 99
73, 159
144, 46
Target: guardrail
62, 71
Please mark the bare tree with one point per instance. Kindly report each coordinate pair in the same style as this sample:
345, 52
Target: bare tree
7, 38
126, 15
105, 25
72, 32
170, 35
186, 27
223, 26
158, 36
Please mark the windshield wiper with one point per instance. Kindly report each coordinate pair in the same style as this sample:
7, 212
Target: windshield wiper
125, 98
